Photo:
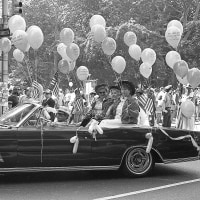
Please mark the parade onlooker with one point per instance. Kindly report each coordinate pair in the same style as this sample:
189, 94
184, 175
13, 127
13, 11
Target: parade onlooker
49, 102
78, 107
166, 107
27, 97
13, 99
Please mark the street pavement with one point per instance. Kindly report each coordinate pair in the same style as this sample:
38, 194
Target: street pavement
105, 185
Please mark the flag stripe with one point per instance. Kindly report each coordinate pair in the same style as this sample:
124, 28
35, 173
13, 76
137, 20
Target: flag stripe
37, 90
54, 85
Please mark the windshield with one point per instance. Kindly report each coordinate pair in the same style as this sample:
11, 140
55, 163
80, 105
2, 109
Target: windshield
14, 116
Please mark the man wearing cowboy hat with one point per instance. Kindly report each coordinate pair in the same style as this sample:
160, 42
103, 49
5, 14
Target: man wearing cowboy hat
62, 117
166, 107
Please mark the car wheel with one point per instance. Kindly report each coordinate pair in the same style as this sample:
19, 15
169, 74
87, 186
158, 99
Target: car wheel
138, 162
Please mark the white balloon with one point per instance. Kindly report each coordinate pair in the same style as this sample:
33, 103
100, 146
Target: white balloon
135, 51
35, 37
130, 38
67, 36
5, 44
145, 69
18, 55
177, 24
98, 33
172, 57
148, 56
82, 73
20, 40
62, 50
16, 22
173, 36
97, 19
118, 64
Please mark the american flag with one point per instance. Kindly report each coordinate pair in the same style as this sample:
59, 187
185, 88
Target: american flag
37, 90
54, 85
146, 103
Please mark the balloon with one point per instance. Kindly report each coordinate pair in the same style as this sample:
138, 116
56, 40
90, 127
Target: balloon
67, 36
5, 45
18, 55
35, 37
20, 40
180, 68
172, 57
193, 77
70, 84
73, 51
173, 36
183, 80
63, 66
82, 73
130, 38
145, 70
187, 108
16, 22
118, 64
148, 56
135, 51
97, 19
31, 28
98, 33
177, 24
109, 46
61, 49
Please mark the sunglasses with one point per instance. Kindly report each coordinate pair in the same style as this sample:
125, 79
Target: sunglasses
102, 92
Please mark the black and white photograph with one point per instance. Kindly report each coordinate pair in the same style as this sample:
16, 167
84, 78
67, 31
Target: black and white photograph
99, 99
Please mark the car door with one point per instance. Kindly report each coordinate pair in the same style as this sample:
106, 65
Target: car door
29, 141
58, 151
29, 146
8, 147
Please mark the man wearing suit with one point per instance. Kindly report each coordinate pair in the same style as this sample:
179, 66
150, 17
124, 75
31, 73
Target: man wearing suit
49, 102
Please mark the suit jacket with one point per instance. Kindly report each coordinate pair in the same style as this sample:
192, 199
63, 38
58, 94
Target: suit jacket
130, 111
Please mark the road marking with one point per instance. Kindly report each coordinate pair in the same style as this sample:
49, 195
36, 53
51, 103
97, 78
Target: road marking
148, 190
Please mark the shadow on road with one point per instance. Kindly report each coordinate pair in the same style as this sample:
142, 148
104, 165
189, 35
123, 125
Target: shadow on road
160, 170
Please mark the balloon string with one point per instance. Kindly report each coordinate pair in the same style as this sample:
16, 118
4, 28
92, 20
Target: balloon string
36, 63
29, 74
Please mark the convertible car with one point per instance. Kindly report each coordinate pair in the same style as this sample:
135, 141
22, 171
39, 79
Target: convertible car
29, 144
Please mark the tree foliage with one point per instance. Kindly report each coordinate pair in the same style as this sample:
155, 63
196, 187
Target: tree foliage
147, 18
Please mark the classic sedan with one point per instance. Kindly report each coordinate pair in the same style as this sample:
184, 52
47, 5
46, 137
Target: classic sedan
29, 144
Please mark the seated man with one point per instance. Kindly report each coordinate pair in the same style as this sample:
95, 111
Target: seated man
62, 117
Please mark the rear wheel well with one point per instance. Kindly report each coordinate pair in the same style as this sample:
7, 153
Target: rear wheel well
155, 156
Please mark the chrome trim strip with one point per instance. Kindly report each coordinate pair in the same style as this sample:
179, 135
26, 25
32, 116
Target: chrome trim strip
181, 160
43, 169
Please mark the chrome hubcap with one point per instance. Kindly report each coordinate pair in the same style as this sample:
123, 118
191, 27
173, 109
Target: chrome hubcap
138, 161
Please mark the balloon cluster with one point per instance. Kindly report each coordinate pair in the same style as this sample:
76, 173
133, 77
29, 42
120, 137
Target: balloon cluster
68, 50
173, 59
148, 55
21, 38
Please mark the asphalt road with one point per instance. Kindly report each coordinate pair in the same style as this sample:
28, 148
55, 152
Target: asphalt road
166, 183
